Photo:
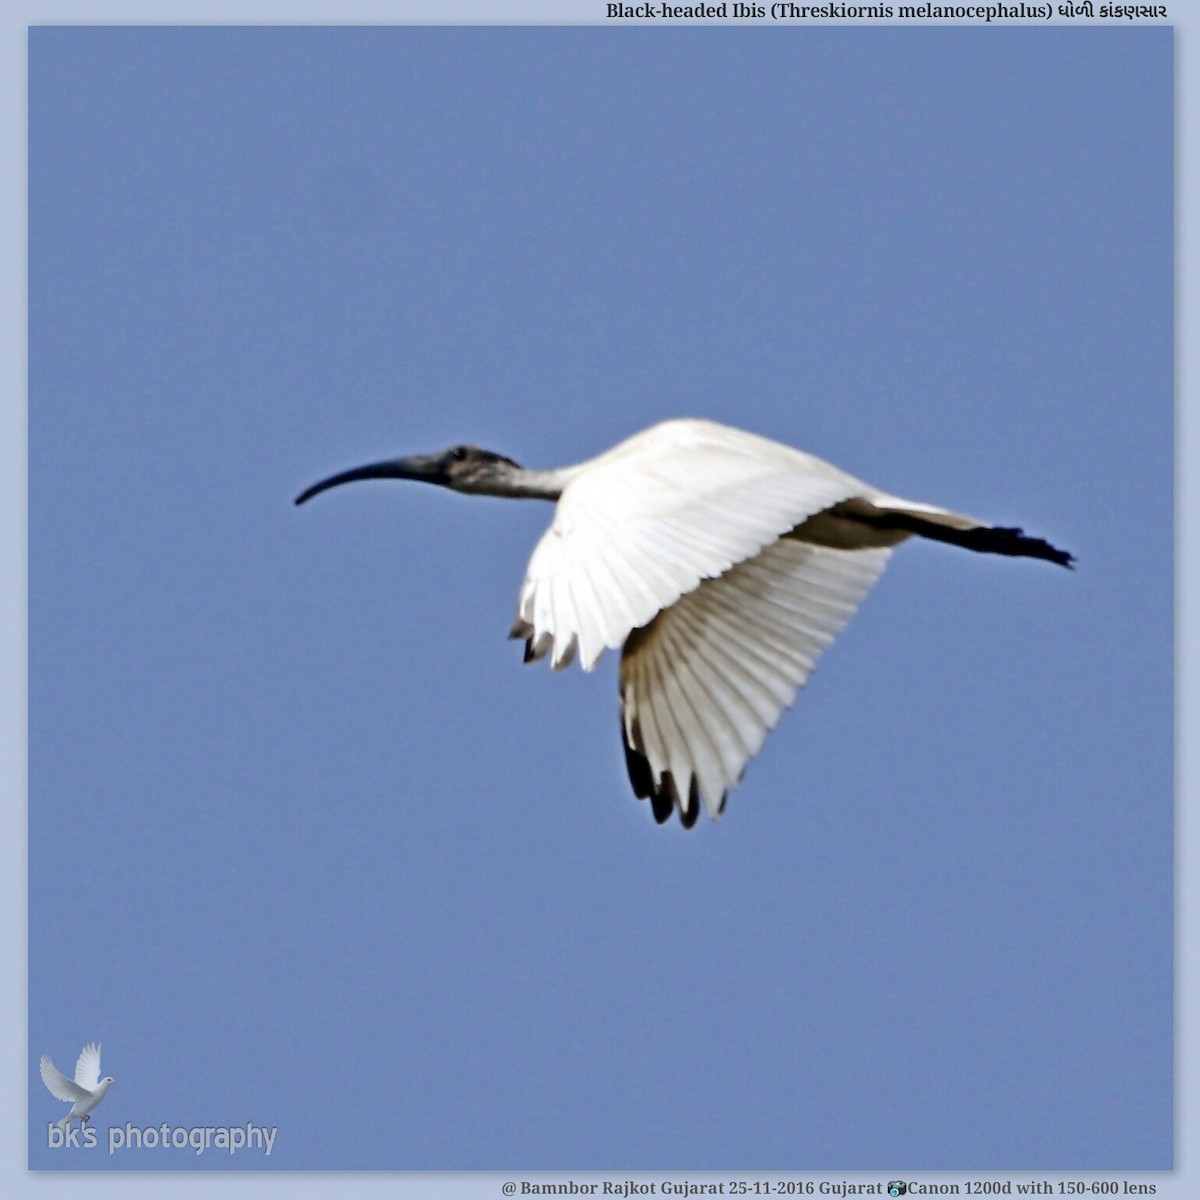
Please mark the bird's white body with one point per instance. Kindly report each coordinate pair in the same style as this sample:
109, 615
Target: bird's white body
645, 523
679, 533
85, 1091
722, 563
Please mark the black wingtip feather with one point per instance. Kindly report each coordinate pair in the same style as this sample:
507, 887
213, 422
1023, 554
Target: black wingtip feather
661, 806
636, 763
663, 794
691, 814
665, 799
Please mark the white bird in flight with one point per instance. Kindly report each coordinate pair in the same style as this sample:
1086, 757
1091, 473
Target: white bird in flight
720, 562
87, 1089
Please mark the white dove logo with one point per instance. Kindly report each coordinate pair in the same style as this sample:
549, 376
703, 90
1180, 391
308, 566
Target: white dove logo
85, 1091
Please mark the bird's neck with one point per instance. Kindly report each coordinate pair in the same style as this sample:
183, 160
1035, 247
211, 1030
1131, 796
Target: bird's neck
521, 483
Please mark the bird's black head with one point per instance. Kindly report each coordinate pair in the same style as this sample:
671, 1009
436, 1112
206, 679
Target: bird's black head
462, 468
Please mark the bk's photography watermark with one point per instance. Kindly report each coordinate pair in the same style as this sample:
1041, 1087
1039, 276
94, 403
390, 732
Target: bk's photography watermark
194, 1139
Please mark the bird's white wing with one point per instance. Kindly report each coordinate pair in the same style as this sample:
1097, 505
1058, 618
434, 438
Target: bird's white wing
642, 525
87, 1069
61, 1088
707, 680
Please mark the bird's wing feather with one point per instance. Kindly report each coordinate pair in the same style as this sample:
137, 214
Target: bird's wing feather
87, 1069
646, 522
707, 680
61, 1088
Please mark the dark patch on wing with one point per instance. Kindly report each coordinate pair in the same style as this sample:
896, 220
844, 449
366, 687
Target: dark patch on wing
662, 793
689, 812
636, 762
660, 804
638, 766
670, 794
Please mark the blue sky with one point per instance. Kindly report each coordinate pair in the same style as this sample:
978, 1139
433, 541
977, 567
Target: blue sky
338, 862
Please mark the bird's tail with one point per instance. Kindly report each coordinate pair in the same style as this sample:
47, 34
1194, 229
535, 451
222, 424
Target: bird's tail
64, 1122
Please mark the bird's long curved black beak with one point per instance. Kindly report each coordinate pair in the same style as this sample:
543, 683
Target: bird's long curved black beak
427, 468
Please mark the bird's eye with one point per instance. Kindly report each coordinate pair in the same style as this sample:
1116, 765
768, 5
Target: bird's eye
459, 453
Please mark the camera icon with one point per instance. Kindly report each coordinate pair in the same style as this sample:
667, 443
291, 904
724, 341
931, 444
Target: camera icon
897, 1187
